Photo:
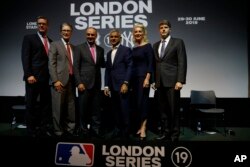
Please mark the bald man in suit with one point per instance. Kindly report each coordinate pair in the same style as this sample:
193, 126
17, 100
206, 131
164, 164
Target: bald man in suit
87, 67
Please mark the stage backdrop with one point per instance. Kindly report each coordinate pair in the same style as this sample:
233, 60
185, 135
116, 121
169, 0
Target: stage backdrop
214, 31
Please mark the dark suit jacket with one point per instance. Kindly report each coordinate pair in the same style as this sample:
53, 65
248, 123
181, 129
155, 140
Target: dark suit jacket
59, 62
86, 71
120, 70
172, 67
34, 58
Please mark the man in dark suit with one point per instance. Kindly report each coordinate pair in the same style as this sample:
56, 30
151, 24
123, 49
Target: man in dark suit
36, 76
170, 75
61, 58
117, 77
87, 71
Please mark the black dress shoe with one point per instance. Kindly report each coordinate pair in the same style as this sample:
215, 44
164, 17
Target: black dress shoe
163, 138
96, 134
174, 139
47, 134
115, 134
84, 131
142, 138
67, 134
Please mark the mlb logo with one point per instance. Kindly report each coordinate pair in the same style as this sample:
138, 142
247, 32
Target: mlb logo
74, 154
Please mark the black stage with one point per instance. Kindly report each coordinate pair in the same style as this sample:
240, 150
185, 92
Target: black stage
205, 149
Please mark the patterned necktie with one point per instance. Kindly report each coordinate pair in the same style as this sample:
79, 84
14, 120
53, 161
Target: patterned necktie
46, 46
70, 60
162, 48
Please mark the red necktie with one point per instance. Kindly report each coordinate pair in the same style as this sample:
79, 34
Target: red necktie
92, 49
46, 46
70, 60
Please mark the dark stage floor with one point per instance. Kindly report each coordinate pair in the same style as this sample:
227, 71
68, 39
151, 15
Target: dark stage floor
205, 149
187, 134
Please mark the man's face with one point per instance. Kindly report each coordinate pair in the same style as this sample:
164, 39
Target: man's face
91, 35
42, 26
164, 31
114, 38
66, 32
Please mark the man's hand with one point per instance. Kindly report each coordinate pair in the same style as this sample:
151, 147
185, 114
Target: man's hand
124, 88
107, 92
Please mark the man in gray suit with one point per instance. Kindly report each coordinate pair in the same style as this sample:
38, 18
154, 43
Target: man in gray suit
171, 69
87, 71
61, 57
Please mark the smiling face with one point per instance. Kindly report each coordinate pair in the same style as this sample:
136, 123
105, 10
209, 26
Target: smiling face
91, 35
66, 32
138, 34
114, 38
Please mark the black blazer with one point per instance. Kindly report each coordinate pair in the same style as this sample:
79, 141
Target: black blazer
172, 67
34, 58
86, 71
120, 70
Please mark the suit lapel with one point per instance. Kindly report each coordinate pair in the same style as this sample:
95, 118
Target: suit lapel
39, 39
167, 48
40, 43
109, 61
157, 57
96, 54
87, 52
63, 49
117, 54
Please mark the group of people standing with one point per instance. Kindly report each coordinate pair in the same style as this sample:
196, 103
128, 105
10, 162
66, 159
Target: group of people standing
57, 70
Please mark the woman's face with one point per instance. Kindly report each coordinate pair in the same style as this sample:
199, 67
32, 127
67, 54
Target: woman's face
138, 34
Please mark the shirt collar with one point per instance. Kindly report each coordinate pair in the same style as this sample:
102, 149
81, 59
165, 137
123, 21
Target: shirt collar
167, 39
116, 46
64, 42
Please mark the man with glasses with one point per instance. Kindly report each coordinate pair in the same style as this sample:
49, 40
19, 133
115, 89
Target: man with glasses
36, 76
61, 60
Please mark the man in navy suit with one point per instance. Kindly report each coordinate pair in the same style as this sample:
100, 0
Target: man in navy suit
170, 75
36, 76
117, 78
87, 71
